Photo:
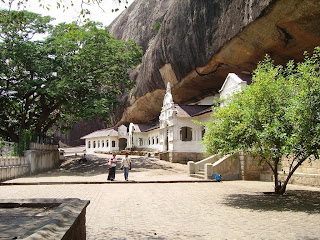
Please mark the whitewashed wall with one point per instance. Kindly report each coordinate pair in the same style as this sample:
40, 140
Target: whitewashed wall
102, 144
189, 146
146, 136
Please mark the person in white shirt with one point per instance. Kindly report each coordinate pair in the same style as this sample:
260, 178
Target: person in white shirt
126, 165
112, 167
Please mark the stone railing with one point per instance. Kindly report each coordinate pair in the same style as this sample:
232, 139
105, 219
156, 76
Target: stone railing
45, 147
39, 158
231, 167
13, 167
194, 167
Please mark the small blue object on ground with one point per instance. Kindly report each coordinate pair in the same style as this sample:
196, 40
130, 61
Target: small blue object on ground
218, 177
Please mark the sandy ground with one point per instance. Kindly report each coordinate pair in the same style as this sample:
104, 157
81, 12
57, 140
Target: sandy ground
95, 169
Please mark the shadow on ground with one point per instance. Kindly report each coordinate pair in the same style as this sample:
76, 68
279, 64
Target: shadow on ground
95, 165
296, 201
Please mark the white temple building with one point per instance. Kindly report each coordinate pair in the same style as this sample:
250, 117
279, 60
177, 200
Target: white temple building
175, 136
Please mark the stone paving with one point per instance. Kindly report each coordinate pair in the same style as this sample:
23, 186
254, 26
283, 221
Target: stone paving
198, 210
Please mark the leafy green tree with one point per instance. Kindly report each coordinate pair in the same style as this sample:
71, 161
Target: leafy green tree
77, 72
277, 115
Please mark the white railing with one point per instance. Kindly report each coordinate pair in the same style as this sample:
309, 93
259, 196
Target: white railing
194, 167
13, 167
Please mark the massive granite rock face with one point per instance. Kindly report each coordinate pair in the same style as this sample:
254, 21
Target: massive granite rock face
200, 42
138, 21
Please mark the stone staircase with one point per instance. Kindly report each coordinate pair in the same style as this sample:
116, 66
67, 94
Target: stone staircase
199, 174
196, 169
228, 166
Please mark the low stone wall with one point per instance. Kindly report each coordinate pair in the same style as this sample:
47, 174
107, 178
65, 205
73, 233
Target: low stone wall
40, 158
306, 174
43, 147
228, 167
250, 169
245, 167
13, 167
181, 157
51, 219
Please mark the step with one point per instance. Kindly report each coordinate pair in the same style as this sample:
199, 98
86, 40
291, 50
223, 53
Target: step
196, 175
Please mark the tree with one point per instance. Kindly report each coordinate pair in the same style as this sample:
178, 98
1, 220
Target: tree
277, 115
77, 72
65, 4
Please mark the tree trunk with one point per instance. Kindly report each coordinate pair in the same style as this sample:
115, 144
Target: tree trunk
282, 190
277, 186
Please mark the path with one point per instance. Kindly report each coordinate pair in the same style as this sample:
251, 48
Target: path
225, 210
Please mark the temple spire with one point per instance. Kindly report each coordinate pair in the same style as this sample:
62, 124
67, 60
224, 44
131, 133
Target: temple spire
168, 88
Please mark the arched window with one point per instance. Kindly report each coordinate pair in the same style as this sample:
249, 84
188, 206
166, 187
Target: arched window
152, 140
186, 134
107, 143
89, 144
113, 144
157, 140
102, 141
149, 141
98, 143
140, 141
94, 144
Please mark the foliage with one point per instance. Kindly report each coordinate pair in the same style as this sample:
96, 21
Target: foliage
277, 115
64, 5
8, 149
24, 142
77, 72
157, 26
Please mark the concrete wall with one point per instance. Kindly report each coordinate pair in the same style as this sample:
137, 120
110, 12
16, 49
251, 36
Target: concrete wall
188, 146
39, 158
307, 174
181, 157
249, 167
60, 218
13, 167
101, 144
228, 167
245, 167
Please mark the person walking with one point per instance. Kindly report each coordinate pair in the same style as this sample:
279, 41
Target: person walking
126, 166
112, 167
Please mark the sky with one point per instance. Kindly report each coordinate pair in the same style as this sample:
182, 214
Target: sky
104, 15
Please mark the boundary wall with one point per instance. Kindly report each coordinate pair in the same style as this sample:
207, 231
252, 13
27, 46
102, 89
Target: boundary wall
245, 167
39, 158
